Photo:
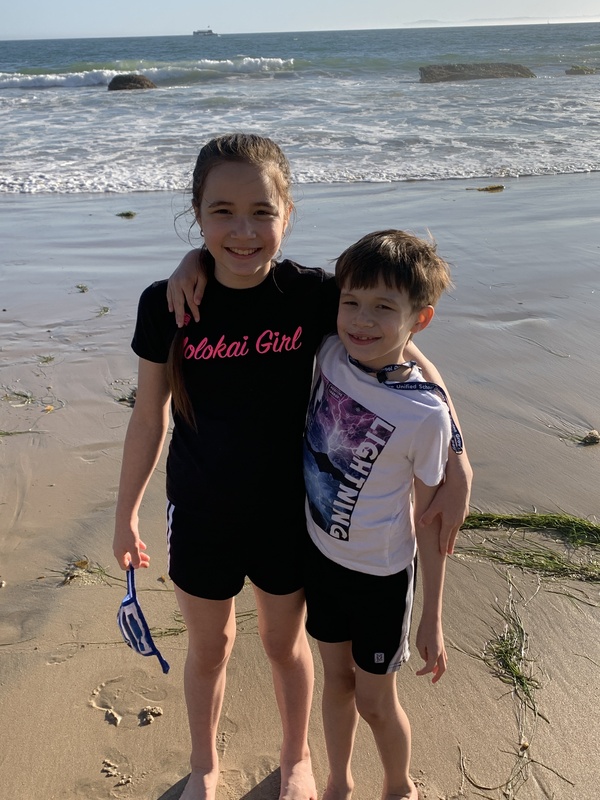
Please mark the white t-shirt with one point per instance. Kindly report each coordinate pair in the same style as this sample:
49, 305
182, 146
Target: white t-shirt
364, 443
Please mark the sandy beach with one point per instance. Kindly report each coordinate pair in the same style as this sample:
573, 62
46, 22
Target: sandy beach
517, 342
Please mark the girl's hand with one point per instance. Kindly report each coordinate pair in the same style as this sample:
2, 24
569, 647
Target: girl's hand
128, 549
186, 285
451, 501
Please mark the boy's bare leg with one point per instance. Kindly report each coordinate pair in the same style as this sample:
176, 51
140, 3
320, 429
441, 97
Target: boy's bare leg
281, 626
340, 717
377, 703
211, 630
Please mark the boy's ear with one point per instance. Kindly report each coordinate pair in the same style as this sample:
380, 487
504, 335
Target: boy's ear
424, 317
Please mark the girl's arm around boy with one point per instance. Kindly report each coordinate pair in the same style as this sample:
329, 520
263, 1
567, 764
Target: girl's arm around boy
432, 565
450, 503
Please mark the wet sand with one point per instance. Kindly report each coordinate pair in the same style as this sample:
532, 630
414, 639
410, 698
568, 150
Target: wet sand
517, 342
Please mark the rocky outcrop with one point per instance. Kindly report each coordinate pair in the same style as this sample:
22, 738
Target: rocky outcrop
436, 73
577, 70
130, 82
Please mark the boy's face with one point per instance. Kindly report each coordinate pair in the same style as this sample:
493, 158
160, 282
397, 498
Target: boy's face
375, 324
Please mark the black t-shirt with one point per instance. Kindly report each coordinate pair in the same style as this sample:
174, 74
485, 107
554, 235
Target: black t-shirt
247, 368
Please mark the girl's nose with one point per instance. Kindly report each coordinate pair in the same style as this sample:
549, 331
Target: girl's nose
244, 227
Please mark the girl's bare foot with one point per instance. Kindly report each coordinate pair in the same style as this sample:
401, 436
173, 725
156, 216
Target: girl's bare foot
297, 781
201, 786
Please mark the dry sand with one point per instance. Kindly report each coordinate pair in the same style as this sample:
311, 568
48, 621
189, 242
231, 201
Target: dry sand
517, 342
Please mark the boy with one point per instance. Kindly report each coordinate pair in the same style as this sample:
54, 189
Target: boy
376, 445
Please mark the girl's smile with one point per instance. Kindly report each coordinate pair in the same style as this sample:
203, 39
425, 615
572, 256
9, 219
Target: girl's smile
243, 219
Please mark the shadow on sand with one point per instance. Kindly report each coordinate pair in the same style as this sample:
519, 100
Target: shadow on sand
267, 789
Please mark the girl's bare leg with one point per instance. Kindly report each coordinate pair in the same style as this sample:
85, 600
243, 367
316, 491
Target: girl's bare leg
281, 626
377, 703
211, 631
340, 717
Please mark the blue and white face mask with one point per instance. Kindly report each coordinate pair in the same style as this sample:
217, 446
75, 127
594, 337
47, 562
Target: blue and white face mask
133, 625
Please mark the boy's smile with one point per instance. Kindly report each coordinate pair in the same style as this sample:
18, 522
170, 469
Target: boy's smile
375, 324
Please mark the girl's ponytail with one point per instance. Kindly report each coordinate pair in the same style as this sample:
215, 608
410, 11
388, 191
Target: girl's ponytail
182, 405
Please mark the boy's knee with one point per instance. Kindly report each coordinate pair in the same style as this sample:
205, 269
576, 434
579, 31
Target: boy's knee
372, 708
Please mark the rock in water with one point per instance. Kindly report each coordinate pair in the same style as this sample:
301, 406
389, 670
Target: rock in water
130, 82
435, 73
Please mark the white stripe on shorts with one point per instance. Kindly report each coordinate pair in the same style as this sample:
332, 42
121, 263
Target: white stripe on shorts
170, 510
402, 654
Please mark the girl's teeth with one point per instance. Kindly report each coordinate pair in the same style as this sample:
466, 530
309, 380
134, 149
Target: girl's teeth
242, 252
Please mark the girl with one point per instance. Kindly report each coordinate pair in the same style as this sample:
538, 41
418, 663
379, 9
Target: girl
239, 380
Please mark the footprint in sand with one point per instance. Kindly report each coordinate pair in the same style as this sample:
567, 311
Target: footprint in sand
116, 772
227, 730
263, 777
64, 653
121, 699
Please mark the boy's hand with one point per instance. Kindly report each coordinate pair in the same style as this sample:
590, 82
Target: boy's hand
430, 644
186, 285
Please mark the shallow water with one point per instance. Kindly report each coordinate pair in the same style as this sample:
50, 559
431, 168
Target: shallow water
346, 106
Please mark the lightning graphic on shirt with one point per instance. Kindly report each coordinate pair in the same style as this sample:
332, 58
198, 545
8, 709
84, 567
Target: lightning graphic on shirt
342, 442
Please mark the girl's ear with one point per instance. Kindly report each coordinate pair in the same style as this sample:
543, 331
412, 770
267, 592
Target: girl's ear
288, 213
196, 208
424, 317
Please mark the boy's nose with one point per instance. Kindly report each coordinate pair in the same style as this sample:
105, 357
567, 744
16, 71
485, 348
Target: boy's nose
363, 318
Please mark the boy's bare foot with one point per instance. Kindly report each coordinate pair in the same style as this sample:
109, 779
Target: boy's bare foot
201, 786
297, 781
337, 792
412, 793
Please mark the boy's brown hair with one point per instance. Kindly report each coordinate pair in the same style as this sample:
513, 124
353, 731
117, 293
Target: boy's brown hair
402, 261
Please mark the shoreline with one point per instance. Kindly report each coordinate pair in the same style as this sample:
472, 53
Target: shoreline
516, 342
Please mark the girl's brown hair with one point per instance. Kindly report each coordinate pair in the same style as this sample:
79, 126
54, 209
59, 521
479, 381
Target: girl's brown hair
243, 148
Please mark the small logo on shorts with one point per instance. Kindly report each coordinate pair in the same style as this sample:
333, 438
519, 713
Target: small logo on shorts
379, 658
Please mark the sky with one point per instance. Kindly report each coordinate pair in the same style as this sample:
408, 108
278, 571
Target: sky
57, 19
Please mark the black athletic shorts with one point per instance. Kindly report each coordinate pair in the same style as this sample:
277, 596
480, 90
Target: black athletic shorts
371, 611
212, 557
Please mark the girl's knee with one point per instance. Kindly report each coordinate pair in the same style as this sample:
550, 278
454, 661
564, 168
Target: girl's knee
210, 657
284, 649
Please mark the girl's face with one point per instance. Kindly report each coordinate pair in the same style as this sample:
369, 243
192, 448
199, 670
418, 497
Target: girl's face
243, 219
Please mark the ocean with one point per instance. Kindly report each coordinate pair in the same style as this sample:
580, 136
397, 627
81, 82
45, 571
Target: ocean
346, 106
